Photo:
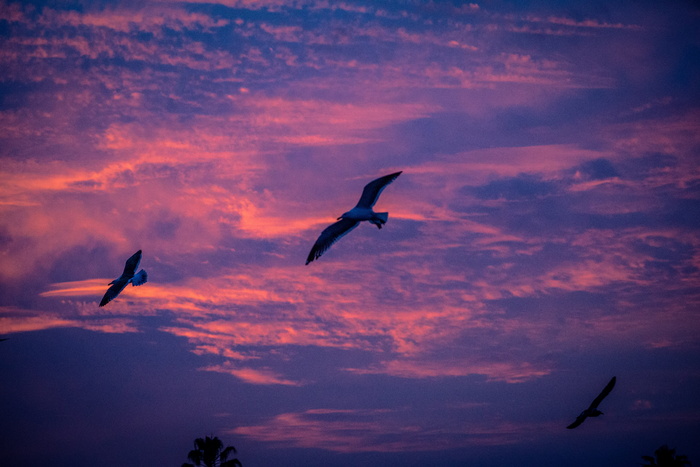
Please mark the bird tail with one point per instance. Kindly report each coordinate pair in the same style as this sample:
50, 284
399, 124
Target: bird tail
382, 216
139, 278
379, 219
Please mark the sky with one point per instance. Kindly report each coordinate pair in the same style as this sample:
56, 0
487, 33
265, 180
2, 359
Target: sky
543, 237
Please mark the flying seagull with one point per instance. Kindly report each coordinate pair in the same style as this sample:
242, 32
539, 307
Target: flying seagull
129, 275
592, 410
351, 219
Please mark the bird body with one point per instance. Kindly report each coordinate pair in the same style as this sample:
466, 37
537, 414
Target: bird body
588, 413
366, 214
349, 220
128, 276
592, 410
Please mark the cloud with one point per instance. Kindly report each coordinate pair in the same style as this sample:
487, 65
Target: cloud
260, 376
15, 320
77, 288
587, 23
543, 226
521, 187
121, 138
495, 371
378, 430
598, 169
486, 249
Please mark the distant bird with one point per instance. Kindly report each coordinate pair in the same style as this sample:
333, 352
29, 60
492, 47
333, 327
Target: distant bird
129, 275
592, 410
351, 219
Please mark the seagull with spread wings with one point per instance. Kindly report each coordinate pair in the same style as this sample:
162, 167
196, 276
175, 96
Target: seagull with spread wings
351, 219
129, 275
592, 410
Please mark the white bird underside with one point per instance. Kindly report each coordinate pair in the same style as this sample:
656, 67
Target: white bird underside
129, 275
351, 219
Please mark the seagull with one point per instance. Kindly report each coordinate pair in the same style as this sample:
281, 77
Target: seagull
118, 284
351, 219
592, 410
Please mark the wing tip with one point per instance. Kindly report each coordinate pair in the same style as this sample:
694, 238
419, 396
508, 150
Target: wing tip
391, 177
576, 423
314, 254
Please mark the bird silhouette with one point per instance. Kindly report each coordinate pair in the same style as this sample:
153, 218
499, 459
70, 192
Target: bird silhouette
592, 410
129, 275
351, 219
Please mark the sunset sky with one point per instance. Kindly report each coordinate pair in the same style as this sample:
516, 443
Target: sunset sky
543, 237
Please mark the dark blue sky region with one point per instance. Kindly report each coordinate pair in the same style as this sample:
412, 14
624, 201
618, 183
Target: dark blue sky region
542, 238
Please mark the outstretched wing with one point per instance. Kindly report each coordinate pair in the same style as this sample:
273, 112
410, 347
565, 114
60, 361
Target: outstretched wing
603, 394
140, 278
329, 236
373, 189
131, 264
113, 291
578, 421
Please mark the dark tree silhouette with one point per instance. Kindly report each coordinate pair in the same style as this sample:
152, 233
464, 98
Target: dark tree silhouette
666, 457
210, 452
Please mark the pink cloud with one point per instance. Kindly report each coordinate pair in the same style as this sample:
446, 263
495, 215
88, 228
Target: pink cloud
253, 376
674, 134
437, 317
126, 20
14, 320
587, 23
378, 431
510, 372
193, 190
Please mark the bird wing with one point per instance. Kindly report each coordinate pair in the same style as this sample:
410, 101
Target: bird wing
140, 278
131, 264
114, 290
578, 421
373, 189
329, 236
604, 393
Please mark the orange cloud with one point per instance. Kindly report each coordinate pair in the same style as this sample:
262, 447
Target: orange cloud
90, 287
